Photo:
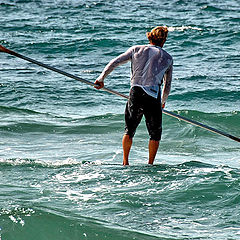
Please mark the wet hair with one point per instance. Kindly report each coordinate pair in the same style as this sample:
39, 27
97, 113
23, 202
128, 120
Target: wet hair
158, 35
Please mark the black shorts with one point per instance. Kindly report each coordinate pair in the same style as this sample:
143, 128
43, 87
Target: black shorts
139, 104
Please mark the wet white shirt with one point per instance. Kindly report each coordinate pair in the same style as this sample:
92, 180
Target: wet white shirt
150, 66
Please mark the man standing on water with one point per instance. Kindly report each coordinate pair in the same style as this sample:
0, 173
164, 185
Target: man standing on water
150, 67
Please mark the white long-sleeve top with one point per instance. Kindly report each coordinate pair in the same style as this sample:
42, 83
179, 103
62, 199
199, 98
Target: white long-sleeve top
150, 67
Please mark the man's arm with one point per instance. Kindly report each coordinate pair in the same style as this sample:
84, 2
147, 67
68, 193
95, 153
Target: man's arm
167, 85
121, 59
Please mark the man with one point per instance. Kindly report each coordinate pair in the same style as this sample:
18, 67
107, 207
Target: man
151, 66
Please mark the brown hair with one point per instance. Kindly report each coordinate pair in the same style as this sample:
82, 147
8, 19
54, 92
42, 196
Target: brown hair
158, 35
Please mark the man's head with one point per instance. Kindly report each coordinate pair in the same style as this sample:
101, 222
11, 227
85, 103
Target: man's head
158, 36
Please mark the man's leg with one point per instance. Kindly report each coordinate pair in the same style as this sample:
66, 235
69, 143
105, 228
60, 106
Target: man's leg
153, 115
153, 147
133, 116
126, 143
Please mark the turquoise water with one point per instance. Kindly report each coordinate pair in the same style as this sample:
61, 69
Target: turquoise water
60, 148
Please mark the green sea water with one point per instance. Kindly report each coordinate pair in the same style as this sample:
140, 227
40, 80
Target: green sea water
60, 140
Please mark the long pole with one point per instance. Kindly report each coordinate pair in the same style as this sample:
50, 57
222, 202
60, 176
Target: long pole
211, 129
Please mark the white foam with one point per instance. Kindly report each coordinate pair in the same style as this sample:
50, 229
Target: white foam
182, 28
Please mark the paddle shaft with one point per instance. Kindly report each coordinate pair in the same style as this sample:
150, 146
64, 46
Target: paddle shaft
211, 129
3, 49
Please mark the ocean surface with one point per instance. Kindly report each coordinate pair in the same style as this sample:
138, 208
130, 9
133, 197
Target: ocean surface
61, 173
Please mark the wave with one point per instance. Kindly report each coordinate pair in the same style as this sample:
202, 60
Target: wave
17, 110
108, 116
52, 225
36, 163
209, 94
227, 122
183, 28
81, 126
218, 10
178, 192
74, 163
29, 121
219, 118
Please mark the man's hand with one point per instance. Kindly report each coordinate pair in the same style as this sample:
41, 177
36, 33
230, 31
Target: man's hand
100, 84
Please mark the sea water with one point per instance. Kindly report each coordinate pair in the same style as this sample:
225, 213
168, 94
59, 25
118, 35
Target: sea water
60, 140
